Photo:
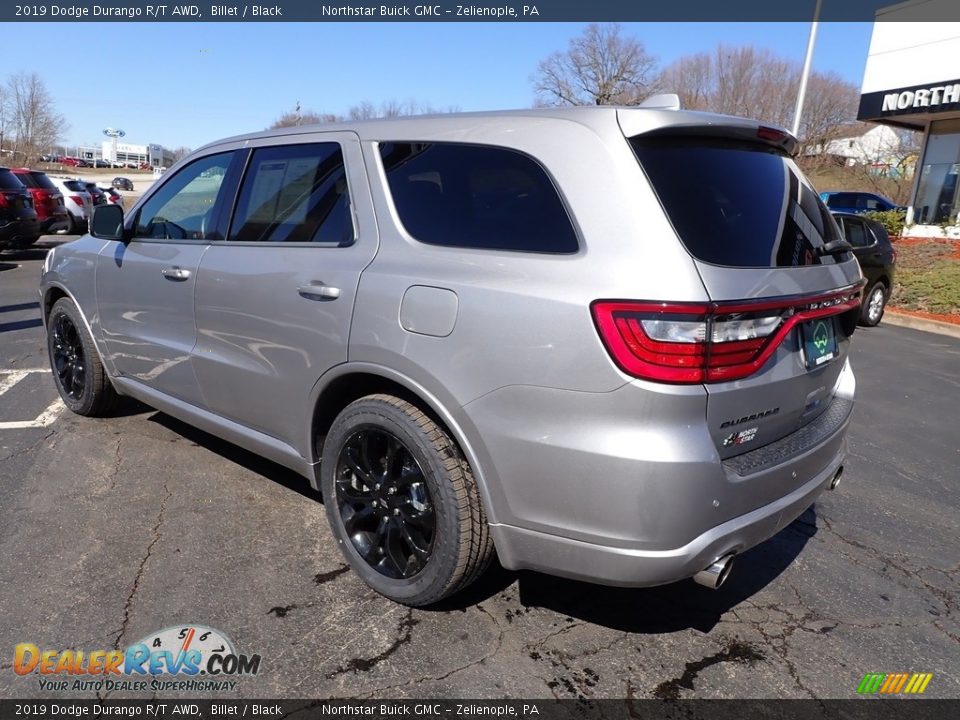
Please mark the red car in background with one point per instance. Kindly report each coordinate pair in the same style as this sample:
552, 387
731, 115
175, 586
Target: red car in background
47, 200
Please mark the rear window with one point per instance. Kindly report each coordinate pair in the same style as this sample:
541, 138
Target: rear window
36, 180
9, 181
476, 196
75, 185
737, 203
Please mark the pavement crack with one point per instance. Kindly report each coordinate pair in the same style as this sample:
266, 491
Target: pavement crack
736, 652
321, 578
30, 448
498, 646
155, 533
948, 600
358, 665
118, 460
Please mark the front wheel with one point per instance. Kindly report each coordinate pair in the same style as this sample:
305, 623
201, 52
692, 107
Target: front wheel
402, 502
874, 304
77, 371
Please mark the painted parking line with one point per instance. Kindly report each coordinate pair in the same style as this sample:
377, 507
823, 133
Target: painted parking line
9, 378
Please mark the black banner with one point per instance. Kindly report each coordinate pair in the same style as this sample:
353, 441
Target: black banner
914, 100
873, 708
462, 11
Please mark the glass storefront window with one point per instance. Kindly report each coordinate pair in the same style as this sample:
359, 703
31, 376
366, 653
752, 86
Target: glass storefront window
938, 199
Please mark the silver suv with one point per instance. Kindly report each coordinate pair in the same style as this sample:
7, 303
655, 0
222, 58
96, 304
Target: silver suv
609, 343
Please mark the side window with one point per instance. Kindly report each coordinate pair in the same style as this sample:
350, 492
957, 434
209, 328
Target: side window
855, 233
872, 204
184, 208
294, 193
476, 196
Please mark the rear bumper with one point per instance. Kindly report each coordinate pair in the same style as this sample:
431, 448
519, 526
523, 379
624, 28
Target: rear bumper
626, 488
54, 223
12, 229
526, 549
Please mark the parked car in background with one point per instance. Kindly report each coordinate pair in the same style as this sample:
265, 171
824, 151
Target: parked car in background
69, 161
99, 197
857, 202
47, 200
877, 258
113, 197
18, 219
122, 183
660, 399
78, 202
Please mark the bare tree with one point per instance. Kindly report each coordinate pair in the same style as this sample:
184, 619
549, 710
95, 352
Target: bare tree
691, 78
831, 105
600, 67
292, 118
180, 153
33, 120
365, 110
757, 83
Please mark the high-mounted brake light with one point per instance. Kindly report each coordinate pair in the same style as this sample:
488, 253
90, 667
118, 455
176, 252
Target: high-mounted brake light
688, 343
771, 134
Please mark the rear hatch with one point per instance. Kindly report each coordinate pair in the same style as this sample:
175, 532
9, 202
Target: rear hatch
47, 198
770, 346
15, 201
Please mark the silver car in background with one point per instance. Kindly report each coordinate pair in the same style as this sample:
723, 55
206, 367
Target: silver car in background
78, 201
609, 344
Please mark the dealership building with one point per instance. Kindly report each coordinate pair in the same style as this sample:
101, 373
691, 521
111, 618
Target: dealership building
154, 155
912, 80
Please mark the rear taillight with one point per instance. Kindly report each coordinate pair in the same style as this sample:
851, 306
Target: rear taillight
4, 200
77, 199
688, 343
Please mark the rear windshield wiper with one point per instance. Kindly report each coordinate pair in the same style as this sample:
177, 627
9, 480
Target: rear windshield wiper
835, 247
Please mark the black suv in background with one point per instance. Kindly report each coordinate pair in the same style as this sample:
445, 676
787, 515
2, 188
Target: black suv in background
18, 219
877, 258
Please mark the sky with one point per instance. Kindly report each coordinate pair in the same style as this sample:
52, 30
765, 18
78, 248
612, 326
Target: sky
179, 84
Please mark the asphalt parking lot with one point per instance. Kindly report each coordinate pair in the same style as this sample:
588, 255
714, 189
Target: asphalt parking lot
115, 529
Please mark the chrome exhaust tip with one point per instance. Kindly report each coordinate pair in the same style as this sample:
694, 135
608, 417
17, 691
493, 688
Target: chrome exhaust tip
836, 478
715, 575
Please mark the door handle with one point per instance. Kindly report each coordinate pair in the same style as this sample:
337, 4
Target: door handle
175, 273
319, 291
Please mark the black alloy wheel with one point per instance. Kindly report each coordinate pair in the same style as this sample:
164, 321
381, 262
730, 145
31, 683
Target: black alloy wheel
384, 503
69, 359
402, 501
78, 373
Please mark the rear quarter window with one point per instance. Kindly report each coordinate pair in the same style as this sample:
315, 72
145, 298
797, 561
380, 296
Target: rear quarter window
9, 181
476, 196
735, 203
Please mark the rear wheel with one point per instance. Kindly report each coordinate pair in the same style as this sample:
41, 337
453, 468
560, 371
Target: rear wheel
875, 302
71, 227
77, 371
402, 502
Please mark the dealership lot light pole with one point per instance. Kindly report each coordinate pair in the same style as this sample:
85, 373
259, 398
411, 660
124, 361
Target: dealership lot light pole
806, 69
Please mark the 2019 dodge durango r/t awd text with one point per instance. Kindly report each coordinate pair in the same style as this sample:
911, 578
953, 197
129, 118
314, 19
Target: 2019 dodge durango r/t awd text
609, 344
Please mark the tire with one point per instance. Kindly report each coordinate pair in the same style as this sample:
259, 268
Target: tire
71, 227
77, 371
417, 529
874, 303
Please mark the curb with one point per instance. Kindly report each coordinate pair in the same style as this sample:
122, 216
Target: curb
892, 317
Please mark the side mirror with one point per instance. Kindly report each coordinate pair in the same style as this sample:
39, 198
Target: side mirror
107, 222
